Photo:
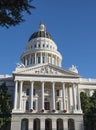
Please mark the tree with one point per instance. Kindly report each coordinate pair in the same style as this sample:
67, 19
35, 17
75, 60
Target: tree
5, 106
92, 113
11, 11
88, 105
85, 102
93, 103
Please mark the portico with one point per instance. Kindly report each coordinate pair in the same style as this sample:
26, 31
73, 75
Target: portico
54, 93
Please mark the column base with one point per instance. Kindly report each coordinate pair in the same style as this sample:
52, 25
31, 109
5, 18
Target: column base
17, 111
77, 111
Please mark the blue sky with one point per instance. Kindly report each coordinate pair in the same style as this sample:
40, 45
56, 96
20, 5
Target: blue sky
72, 23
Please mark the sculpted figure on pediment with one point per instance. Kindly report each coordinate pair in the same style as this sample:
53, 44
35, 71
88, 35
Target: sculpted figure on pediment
20, 66
46, 70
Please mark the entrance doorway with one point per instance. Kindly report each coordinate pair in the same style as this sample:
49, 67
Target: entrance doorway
48, 124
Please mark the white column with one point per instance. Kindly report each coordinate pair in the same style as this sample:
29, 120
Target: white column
15, 98
54, 125
25, 61
42, 93
74, 97
53, 94
42, 125
78, 98
30, 124
31, 96
65, 121
70, 99
63, 96
20, 92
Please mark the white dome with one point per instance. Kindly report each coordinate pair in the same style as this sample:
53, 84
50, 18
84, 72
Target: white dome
41, 49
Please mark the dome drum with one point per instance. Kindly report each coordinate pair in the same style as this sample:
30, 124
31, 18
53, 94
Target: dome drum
41, 58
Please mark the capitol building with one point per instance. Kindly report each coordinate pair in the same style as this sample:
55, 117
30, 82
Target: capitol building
44, 95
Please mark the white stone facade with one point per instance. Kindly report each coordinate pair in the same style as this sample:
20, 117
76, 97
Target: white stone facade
46, 96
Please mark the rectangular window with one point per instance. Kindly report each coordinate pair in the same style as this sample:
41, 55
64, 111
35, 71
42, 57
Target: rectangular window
57, 93
27, 91
39, 45
34, 105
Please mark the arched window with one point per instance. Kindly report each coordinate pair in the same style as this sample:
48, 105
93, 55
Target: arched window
48, 124
59, 124
24, 124
36, 124
71, 125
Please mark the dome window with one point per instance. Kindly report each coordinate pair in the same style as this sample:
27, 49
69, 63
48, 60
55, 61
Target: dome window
35, 46
43, 45
39, 45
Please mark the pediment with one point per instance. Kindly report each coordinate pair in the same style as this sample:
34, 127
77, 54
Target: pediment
46, 69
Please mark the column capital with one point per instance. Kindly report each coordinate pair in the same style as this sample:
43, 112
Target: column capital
53, 82
43, 82
16, 81
63, 82
31, 81
21, 81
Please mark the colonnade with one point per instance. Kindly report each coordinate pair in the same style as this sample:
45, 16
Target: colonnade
40, 58
75, 96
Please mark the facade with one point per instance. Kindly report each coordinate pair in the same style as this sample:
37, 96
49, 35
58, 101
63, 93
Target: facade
46, 96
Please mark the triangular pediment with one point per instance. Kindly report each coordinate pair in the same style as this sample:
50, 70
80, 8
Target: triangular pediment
46, 69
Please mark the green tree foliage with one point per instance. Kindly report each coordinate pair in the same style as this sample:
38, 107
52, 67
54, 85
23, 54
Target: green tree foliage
88, 105
93, 103
5, 107
11, 11
85, 102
